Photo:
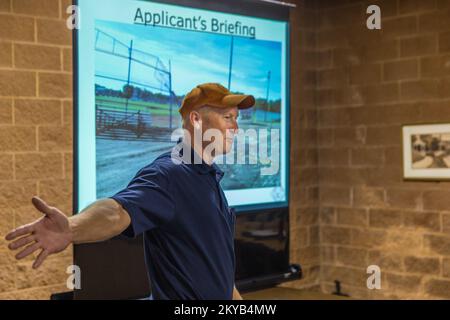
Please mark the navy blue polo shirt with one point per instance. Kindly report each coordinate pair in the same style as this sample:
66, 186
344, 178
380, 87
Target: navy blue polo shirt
188, 228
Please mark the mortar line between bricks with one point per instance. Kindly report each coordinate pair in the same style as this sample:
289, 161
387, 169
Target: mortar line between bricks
33, 98
43, 44
13, 103
29, 15
40, 71
13, 58
37, 139
14, 167
387, 103
398, 16
63, 166
38, 44
35, 30
16, 290
62, 112
61, 60
60, 14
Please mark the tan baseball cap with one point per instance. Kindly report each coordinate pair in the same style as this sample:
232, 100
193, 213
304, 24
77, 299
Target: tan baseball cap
215, 95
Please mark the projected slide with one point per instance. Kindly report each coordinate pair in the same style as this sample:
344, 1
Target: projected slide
136, 62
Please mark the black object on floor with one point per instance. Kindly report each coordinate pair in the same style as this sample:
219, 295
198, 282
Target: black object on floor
338, 289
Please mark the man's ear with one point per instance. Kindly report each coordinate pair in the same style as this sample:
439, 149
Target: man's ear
195, 119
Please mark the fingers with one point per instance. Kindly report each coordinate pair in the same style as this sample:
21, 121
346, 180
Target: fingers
41, 257
29, 228
28, 250
41, 205
20, 231
22, 242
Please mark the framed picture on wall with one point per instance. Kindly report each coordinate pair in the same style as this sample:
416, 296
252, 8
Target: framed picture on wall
426, 151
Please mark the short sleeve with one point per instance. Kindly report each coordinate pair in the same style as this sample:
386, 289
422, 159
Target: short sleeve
148, 200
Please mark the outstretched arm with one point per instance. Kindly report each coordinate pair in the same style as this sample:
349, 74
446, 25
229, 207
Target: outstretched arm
53, 232
100, 221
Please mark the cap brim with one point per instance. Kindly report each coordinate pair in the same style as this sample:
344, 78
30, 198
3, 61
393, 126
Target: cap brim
239, 100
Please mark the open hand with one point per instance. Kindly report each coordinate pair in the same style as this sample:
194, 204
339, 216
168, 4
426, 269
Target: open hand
50, 234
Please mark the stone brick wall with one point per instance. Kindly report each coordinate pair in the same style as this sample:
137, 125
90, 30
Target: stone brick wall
352, 89
368, 84
35, 134
304, 176
36, 137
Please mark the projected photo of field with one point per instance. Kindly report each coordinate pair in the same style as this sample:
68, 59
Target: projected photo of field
141, 76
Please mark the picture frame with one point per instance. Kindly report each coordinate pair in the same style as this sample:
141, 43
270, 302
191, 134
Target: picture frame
426, 151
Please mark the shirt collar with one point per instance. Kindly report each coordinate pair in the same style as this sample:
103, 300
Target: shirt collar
203, 167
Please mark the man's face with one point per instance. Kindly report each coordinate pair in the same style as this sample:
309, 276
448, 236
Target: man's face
225, 121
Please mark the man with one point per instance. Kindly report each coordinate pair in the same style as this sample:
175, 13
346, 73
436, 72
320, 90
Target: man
176, 202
